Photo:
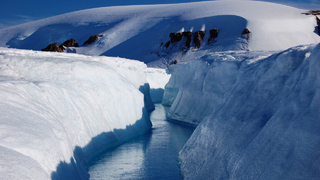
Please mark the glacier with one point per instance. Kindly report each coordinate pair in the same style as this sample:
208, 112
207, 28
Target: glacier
254, 102
256, 117
58, 111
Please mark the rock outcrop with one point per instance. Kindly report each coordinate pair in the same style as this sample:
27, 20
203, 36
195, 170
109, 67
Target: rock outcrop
53, 48
188, 35
197, 38
70, 43
312, 12
213, 35
246, 34
318, 21
187, 38
175, 37
92, 39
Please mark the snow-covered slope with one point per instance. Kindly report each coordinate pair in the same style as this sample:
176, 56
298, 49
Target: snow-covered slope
259, 117
136, 32
59, 110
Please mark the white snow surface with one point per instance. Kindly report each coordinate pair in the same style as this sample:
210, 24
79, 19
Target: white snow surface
141, 29
258, 117
59, 110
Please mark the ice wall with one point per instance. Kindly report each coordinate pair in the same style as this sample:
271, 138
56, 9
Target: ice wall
157, 79
59, 110
266, 123
196, 88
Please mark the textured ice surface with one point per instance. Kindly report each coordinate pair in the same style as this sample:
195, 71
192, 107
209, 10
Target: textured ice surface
59, 110
266, 125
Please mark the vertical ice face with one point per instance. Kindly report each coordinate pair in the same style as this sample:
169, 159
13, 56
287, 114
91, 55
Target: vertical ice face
59, 110
267, 124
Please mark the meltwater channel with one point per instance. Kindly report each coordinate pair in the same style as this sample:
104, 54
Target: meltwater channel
150, 156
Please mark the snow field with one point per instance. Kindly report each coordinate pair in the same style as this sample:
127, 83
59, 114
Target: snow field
52, 103
141, 29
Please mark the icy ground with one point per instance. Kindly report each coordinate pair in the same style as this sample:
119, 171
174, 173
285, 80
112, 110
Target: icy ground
255, 104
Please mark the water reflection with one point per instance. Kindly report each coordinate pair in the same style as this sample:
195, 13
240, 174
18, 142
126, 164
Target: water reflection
151, 156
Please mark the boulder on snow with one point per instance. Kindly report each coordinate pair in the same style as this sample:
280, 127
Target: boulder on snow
188, 35
70, 43
246, 34
53, 48
92, 39
175, 37
197, 38
213, 34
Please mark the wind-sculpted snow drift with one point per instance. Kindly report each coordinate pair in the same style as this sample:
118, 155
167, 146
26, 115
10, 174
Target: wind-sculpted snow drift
261, 118
62, 109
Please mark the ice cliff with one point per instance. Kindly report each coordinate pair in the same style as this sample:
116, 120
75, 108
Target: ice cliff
59, 110
257, 117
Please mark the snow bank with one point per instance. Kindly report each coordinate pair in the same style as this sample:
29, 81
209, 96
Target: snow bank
262, 118
59, 110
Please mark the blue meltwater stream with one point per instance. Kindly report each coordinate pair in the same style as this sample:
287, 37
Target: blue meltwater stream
150, 156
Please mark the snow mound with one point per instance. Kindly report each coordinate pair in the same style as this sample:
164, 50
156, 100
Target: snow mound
262, 117
60, 110
136, 32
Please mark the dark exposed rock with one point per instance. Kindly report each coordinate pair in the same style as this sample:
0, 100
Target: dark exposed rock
245, 31
175, 37
246, 34
53, 47
188, 36
175, 62
167, 44
92, 39
213, 34
318, 22
312, 12
197, 38
70, 43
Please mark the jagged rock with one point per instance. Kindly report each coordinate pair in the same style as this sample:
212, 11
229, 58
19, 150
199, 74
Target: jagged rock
197, 38
318, 21
213, 34
188, 36
175, 37
246, 34
53, 47
92, 39
167, 44
70, 43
